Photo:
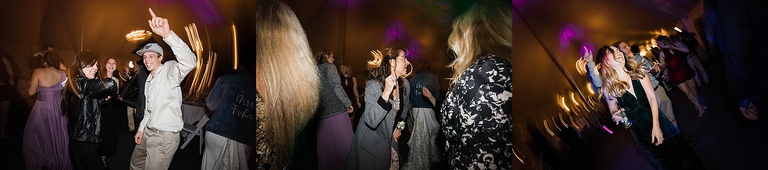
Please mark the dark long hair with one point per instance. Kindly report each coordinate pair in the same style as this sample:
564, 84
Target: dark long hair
50, 59
82, 60
121, 78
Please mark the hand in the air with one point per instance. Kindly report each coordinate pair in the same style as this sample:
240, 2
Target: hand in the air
159, 25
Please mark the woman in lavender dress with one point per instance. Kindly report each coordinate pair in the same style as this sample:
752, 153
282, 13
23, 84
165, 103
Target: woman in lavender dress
45, 134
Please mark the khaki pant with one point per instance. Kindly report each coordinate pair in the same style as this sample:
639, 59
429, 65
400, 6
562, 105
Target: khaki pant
665, 105
156, 150
131, 125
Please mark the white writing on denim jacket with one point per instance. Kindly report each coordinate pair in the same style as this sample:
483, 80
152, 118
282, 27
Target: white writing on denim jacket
242, 106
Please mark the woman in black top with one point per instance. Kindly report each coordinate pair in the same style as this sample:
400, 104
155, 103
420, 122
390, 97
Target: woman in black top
86, 93
477, 112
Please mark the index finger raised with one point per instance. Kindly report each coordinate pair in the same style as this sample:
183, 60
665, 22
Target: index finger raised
152, 13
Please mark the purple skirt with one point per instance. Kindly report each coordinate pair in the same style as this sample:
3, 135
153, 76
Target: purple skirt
334, 138
46, 143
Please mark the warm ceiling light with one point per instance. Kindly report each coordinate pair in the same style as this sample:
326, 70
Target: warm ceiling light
138, 35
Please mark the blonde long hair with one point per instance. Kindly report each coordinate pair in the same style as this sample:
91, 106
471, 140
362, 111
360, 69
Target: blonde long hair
486, 28
611, 83
285, 67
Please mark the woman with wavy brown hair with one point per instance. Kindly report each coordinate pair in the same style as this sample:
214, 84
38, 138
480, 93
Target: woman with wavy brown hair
287, 83
630, 96
477, 112
386, 98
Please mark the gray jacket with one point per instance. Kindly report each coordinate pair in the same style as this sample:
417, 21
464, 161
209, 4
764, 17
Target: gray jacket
373, 137
333, 99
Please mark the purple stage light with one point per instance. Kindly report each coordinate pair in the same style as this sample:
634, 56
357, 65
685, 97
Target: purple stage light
205, 11
414, 49
394, 31
570, 33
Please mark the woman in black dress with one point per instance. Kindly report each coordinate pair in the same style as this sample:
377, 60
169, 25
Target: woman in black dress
625, 87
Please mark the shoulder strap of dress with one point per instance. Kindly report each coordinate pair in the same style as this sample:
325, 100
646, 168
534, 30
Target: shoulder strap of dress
63, 76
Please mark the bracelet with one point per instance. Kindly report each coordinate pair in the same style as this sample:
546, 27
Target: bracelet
400, 125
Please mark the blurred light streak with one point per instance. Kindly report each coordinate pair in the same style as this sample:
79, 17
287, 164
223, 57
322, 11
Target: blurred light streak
234, 47
554, 123
581, 66
607, 130
547, 128
574, 100
518, 157
201, 78
575, 123
197, 47
589, 88
563, 121
562, 104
